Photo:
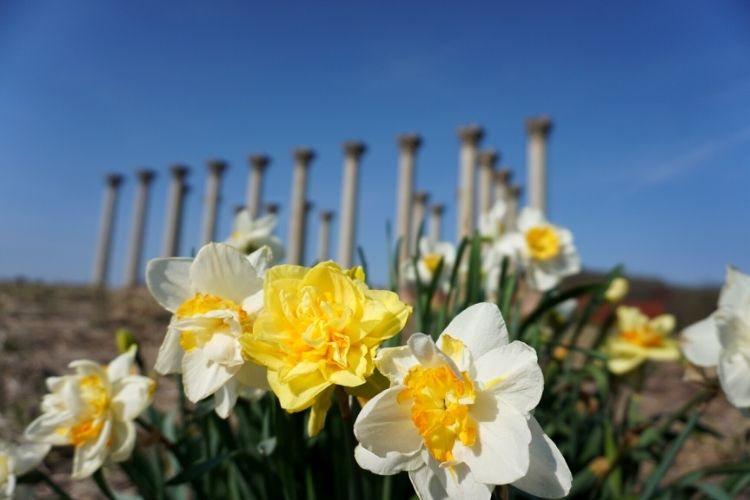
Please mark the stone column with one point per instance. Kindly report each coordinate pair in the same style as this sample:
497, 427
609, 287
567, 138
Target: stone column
106, 229
216, 169
419, 207
173, 226
302, 159
272, 208
538, 130
501, 181
309, 206
408, 146
258, 165
470, 137
514, 202
436, 221
140, 209
324, 235
353, 151
487, 161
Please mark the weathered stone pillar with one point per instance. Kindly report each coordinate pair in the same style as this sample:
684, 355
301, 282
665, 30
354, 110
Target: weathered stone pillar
324, 235
106, 229
538, 130
302, 159
272, 208
216, 169
408, 146
353, 152
470, 137
173, 226
419, 208
514, 202
140, 208
436, 222
487, 161
501, 181
258, 165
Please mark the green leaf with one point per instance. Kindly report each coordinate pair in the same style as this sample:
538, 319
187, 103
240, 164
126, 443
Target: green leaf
199, 469
713, 491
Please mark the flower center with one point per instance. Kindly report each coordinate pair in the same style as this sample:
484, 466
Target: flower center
543, 242
644, 337
440, 408
431, 261
95, 396
4, 468
201, 304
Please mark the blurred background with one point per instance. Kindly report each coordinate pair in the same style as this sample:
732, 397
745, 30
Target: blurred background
647, 162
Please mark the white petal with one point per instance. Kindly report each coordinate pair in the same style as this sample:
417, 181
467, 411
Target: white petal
734, 375
261, 259
223, 271
700, 342
201, 376
423, 348
456, 482
736, 292
168, 280
169, 358
224, 349
426, 484
123, 441
530, 217
548, 475
44, 428
395, 362
480, 327
27, 456
253, 303
121, 366
130, 396
225, 398
541, 279
392, 463
90, 456
383, 416
512, 373
501, 452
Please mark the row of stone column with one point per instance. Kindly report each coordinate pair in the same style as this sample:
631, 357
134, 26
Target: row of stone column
411, 208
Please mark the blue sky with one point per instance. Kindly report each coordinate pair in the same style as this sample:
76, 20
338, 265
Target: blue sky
648, 162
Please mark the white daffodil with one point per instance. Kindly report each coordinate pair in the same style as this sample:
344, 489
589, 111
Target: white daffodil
214, 299
249, 235
17, 460
546, 251
457, 416
93, 410
723, 339
430, 255
493, 224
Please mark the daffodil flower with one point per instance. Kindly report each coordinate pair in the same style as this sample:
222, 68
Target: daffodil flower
544, 250
640, 338
214, 299
492, 224
93, 410
320, 327
458, 417
617, 290
17, 460
431, 253
248, 234
723, 339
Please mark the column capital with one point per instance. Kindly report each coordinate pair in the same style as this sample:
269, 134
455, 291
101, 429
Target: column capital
516, 190
217, 167
409, 142
437, 209
114, 180
145, 175
539, 125
354, 149
488, 158
303, 155
503, 175
179, 171
326, 215
273, 208
259, 161
422, 197
239, 208
309, 206
470, 134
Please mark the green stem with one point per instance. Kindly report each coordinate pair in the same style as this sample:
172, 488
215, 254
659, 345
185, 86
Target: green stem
53, 485
348, 422
101, 482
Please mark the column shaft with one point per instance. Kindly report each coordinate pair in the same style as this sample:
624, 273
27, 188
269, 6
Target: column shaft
353, 152
324, 235
408, 144
106, 229
470, 137
140, 209
297, 219
436, 222
211, 201
538, 130
487, 161
419, 207
173, 225
258, 165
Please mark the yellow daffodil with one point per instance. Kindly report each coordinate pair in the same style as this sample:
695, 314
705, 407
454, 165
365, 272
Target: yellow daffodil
214, 299
320, 327
458, 415
16, 461
248, 234
722, 340
93, 410
616, 290
640, 338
